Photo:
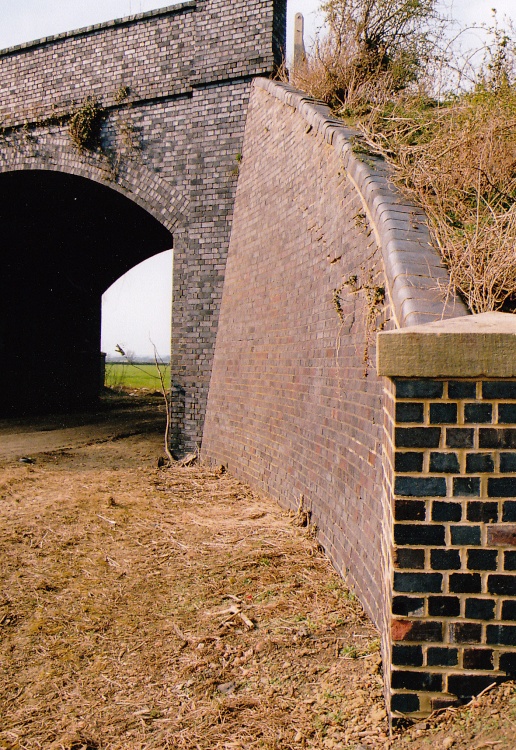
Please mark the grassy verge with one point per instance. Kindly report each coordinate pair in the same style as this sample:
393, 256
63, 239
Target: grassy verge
125, 375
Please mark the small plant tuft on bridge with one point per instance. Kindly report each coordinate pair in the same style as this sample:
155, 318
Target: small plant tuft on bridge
85, 125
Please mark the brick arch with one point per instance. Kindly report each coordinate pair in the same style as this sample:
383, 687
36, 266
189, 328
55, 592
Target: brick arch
137, 182
66, 238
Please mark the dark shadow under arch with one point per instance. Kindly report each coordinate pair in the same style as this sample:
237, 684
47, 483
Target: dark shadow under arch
65, 240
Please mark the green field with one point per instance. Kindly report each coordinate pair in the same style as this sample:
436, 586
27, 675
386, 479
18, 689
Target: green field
124, 375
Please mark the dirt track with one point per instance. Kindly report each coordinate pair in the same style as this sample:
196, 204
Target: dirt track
145, 608
115, 418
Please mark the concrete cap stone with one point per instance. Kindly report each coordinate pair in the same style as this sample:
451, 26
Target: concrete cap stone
469, 346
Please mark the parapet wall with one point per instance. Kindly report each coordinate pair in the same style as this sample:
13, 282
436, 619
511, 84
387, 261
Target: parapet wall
156, 55
324, 253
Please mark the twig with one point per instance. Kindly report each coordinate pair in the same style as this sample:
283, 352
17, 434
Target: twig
164, 393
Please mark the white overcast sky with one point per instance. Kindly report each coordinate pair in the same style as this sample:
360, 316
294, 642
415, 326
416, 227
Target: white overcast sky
137, 308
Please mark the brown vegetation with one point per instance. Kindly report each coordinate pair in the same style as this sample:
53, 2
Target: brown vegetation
452, 152
143, 608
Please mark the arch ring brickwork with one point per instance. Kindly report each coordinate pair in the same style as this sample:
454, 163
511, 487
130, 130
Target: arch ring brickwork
132, 179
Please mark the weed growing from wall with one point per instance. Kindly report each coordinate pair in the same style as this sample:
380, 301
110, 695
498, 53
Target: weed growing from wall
375, 298
85, 125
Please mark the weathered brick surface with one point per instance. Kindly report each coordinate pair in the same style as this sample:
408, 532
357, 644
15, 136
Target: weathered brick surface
171, 145
295, 406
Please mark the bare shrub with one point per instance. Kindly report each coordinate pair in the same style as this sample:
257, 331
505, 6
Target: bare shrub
371, 49
444, 117
458, 161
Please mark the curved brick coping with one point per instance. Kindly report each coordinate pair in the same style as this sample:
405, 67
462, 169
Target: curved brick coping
416, 277
474, 346
169, 10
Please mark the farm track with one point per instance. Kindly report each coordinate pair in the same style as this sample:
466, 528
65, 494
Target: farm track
145, 608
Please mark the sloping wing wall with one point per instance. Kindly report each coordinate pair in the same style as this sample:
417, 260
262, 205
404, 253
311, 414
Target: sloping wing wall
323, 254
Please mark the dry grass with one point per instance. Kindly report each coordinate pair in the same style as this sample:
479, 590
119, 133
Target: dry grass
144, 608
458, 161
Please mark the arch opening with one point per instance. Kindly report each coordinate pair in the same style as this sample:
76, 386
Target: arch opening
65, 240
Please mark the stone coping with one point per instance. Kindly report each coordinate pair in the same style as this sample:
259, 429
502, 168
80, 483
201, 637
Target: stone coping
474, 346
417, 280
168, 10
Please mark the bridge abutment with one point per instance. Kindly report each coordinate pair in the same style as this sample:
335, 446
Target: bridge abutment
173, 87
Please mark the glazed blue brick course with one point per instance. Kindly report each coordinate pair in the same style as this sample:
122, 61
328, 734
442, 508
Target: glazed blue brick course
420, 486
444, 463
419, 389
443, 511
454, 512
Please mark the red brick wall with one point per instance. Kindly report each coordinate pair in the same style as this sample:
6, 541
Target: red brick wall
295, 406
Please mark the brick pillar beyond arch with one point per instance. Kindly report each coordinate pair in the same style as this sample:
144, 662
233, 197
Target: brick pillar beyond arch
450, 402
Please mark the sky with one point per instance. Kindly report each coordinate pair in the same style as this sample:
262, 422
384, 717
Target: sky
136, 309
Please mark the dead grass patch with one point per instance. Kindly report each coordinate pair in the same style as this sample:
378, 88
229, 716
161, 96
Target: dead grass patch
458, 161
144, 608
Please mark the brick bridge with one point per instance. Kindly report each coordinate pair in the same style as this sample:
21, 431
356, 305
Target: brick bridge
158, 168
